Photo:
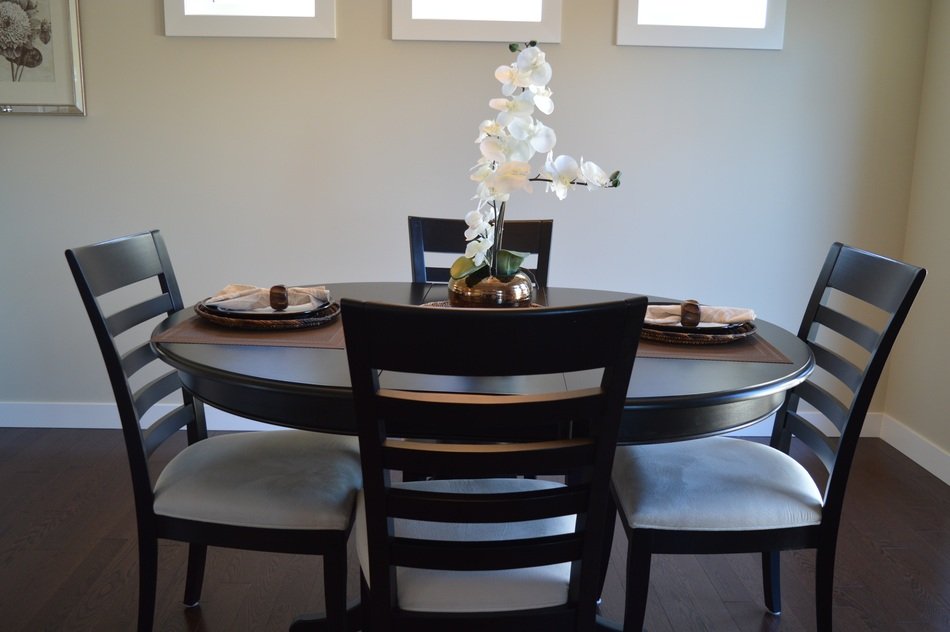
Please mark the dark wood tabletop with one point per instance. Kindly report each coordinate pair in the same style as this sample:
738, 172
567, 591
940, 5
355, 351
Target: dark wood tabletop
668, 398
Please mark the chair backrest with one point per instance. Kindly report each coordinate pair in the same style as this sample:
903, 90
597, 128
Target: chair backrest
477, 350
441, 235
855, 312
110, 278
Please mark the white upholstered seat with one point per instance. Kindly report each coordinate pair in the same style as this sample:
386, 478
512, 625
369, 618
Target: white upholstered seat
428, 590
714, 484
286, 479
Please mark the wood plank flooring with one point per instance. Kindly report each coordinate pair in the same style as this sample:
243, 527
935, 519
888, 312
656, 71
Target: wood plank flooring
68, 558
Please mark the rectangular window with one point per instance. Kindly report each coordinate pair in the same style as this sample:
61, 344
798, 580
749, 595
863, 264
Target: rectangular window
702, 23
251, 18
477, 20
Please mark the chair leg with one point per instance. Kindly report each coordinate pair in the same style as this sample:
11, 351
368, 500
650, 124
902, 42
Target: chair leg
772, 581
197, 553
607, 543
638, 584
334, 588
824, 586
148, 578
364, 605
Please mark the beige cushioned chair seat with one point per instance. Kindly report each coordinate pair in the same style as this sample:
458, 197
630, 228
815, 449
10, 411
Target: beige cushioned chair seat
285, 479
714, 484
427, 590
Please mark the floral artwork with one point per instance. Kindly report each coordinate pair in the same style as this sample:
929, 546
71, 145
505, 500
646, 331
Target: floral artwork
26, 40
507, 144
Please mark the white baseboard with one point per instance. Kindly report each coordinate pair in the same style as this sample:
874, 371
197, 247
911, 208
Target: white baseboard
919, 449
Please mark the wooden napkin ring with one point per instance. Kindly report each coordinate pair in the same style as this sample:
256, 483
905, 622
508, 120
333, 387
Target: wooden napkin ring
278, 298
689, 313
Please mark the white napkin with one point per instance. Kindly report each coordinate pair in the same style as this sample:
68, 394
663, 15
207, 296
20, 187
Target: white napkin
245, 298
670, 315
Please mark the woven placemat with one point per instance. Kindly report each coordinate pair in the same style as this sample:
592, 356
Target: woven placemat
196, 330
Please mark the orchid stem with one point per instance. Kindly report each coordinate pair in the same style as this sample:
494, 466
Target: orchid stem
499, 233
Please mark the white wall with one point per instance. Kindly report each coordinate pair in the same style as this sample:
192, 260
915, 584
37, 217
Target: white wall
918, 382
268, 160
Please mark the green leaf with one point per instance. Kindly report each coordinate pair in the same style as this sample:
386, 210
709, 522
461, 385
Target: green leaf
509, 261
463, 266
615, 179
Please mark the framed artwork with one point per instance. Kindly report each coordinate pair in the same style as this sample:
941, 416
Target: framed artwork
41, 63
477, 20
702, 23
251, 18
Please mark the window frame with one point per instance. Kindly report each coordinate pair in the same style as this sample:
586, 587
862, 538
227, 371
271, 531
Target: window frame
630, 33
322, 25
547, 30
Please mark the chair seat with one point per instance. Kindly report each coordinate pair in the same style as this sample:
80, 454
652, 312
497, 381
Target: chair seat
427, 590
287, 479
714, 484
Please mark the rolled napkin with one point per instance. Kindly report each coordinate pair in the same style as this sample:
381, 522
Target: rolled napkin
245, 298
671, 315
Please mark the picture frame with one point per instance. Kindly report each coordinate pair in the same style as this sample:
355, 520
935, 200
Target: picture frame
41, 68
405, 27
631, 32
319, 23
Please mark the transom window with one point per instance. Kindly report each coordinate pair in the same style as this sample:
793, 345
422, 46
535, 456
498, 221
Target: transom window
702, 23
477, 20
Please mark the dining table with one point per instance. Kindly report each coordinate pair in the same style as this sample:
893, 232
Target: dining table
299, 378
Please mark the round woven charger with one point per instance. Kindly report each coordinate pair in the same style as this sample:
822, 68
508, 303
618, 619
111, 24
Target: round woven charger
695, 337
323, 317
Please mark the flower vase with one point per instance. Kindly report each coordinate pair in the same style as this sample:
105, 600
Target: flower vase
514, 291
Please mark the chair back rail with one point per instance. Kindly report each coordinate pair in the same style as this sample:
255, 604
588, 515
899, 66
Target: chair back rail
445, 235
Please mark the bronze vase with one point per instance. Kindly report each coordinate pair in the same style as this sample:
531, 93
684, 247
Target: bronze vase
514, 291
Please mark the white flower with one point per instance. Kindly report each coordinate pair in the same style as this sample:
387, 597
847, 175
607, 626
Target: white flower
488, 128
531, 60
562, 171
521, 106
540, 136
511, 79
478, 250
501, 149
478, 225
509, 177
593, 174
542, 98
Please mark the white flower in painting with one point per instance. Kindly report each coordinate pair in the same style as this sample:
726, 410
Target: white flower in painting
563, 172
15, 27
593, 174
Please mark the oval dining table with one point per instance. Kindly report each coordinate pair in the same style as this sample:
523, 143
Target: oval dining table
676, 392
683, 396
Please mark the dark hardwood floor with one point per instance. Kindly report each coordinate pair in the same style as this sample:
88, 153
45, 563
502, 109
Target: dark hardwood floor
68, 559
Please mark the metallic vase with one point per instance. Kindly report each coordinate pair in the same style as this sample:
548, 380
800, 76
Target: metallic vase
514, 291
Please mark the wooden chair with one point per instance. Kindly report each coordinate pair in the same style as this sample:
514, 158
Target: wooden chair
477, 549
284, 491
439, 235
728, 495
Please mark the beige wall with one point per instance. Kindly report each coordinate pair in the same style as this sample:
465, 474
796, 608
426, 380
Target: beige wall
272, 160
918, 381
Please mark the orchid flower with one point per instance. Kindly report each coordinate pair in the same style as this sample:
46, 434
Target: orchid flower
507, 144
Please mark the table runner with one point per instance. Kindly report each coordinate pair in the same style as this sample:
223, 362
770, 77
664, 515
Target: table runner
196, 330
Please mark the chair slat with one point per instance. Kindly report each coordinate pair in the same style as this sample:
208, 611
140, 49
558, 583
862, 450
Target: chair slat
155, 391
139, 313
824, 447
458, 463
844, 370
825, 402
872, 278
137, 358
486, 555
848, 327
484, 508
163, 428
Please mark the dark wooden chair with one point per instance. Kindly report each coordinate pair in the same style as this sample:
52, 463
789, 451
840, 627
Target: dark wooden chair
477, 549
729, 495
447, 236
284, 491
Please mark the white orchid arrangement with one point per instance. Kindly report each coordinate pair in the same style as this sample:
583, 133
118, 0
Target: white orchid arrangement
508, 143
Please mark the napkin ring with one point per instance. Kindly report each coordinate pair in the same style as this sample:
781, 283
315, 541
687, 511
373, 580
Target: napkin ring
279, 299
689, 313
